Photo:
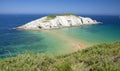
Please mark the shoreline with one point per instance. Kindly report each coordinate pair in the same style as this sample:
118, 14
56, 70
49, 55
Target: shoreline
76, 45
38, 29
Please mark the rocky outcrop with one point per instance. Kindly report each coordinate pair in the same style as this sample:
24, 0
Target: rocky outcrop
58, 21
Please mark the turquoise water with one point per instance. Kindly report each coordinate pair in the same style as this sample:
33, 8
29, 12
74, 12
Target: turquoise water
93, 34
13, 42
107, 31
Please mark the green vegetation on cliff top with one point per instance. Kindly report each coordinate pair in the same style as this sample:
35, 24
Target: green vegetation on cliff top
103, 57
48, 18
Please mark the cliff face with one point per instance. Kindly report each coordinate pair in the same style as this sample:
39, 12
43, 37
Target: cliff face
50, 22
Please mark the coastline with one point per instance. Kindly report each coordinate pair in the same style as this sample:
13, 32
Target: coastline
75, 45
37, 29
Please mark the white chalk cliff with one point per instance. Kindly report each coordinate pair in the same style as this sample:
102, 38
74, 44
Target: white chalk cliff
58, 21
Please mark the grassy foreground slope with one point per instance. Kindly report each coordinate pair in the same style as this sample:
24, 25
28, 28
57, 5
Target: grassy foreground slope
103, 57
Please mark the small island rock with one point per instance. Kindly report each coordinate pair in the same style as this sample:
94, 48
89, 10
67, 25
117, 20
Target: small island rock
57, 21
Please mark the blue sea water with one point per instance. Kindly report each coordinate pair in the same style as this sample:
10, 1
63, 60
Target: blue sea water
108, 31
13, 42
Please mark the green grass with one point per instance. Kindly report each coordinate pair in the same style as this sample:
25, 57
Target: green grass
66, 15
103, 57
48, 18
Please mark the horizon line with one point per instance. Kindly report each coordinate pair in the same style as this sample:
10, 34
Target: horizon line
55, 14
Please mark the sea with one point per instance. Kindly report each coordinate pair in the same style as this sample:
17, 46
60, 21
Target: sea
14, 42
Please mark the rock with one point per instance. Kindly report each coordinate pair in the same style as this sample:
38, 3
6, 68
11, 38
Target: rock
57, 21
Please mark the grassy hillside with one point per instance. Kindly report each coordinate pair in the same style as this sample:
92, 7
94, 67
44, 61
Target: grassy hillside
103, 57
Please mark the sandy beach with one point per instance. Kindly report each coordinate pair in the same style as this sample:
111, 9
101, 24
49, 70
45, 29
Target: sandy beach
76, 45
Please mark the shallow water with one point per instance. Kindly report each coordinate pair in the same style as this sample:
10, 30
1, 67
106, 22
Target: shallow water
13, 42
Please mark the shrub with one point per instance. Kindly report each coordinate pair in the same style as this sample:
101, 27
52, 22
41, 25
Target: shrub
103, 57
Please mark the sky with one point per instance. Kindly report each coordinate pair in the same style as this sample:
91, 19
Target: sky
99, 7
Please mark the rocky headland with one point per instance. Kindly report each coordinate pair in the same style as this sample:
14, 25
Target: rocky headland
57, 21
